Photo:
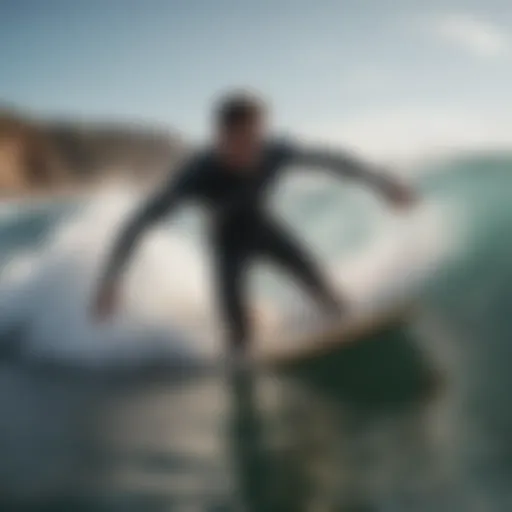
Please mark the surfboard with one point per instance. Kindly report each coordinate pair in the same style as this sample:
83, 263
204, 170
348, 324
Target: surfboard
281, 351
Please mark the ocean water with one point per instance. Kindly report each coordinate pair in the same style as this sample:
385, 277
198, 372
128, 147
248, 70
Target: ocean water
117, 416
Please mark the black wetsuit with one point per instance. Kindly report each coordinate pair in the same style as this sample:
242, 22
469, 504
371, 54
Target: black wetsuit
242, 228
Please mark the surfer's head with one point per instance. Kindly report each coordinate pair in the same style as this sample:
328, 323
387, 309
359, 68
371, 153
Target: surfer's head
240, 124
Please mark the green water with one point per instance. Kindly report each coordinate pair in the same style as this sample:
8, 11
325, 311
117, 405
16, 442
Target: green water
416, 419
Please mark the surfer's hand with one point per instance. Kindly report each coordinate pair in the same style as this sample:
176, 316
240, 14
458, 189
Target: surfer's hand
400, 195
105, 302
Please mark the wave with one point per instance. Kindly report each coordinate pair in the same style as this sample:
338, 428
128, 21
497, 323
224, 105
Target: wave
168, 315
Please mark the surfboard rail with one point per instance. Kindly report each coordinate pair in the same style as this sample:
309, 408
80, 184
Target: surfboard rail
283, 351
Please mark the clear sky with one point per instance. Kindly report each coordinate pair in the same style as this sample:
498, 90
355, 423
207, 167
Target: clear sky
391, 77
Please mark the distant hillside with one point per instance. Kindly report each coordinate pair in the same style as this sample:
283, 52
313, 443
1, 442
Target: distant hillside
38, 156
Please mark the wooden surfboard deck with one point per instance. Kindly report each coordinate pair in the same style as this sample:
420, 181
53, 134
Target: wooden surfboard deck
285, 351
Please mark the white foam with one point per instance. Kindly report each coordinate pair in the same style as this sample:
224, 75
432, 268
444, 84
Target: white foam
407, 249
167, 312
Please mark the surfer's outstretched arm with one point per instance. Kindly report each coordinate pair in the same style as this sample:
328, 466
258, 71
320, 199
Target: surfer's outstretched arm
154, 209
159, 205
348, 166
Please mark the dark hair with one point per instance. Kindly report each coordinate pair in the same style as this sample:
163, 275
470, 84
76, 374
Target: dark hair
236, 108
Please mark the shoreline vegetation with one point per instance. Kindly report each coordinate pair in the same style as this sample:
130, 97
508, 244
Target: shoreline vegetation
43, 159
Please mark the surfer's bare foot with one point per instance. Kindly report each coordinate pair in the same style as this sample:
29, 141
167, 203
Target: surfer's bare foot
336, 311
335, 307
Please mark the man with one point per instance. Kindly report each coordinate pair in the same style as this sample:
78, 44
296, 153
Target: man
232, 178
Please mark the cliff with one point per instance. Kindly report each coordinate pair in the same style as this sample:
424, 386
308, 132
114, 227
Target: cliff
48, 156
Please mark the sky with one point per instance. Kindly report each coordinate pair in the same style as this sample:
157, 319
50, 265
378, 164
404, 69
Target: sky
391, 78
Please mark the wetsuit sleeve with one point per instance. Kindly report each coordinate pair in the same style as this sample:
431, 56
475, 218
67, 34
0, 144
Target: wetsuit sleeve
340, 163
180, 186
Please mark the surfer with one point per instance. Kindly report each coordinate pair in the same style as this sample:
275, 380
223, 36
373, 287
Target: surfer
232, 178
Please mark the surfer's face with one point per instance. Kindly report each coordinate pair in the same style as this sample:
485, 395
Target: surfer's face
240, 146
